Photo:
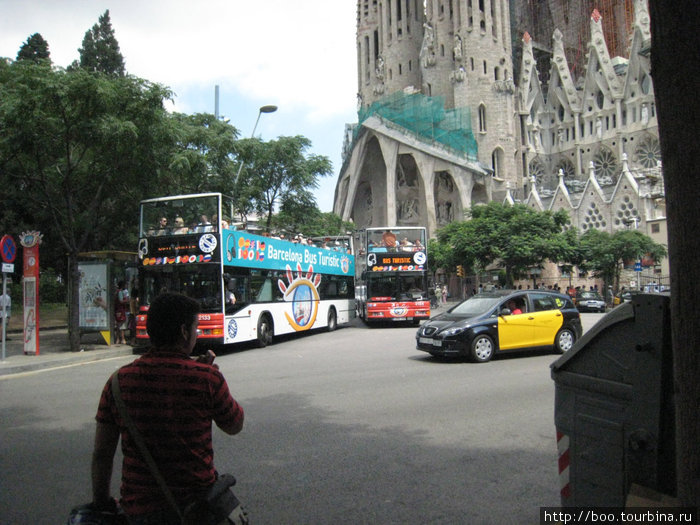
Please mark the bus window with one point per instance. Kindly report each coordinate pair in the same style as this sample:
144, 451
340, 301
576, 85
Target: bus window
412, 287
383, 287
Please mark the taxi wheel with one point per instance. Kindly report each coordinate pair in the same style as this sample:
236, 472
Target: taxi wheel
482, 348
565, 340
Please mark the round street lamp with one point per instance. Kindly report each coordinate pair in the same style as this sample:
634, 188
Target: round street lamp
263, 109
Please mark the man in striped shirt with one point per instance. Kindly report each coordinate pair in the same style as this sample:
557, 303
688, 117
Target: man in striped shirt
173, 400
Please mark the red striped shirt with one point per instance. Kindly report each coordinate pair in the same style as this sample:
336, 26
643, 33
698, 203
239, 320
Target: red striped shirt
173, 401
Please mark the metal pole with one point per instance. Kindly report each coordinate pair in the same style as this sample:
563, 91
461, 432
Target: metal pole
263, 109
4, 312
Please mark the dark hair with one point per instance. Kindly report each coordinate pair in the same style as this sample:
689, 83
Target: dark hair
167, 313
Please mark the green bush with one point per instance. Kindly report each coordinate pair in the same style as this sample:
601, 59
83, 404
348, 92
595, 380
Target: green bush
51, 290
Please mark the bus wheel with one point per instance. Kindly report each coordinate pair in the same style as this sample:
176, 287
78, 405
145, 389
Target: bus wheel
265, 331
332, 319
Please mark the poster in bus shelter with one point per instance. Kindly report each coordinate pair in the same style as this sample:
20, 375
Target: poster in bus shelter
94, 296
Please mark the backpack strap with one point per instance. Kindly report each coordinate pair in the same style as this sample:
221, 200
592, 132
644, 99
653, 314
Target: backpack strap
141, 444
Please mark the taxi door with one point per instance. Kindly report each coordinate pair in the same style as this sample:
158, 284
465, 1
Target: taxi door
515, 331
547, 319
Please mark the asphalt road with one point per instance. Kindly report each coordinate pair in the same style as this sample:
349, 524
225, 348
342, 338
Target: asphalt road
354, 426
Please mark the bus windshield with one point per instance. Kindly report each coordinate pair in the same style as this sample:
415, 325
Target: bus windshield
401, 239
201, 282
397, 287
174, 216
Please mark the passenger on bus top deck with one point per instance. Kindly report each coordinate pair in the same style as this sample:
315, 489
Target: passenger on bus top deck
418, 245
162, 228
180, 227
215, 223
389, 239
204, 225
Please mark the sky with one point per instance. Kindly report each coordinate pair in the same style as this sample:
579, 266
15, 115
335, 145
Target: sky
298, 55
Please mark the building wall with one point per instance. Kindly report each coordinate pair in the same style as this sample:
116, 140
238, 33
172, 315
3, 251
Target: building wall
576, 130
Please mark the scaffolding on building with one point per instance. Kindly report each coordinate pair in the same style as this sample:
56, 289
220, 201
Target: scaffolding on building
427, 119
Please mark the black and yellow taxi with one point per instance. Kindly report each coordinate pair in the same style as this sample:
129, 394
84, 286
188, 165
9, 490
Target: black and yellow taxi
502, 321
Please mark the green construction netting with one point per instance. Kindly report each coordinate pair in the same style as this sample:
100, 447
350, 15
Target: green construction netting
427, 119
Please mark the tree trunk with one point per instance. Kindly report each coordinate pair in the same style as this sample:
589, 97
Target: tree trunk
676, 71
74, 302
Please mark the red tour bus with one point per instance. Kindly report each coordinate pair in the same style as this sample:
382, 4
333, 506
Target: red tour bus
391, 280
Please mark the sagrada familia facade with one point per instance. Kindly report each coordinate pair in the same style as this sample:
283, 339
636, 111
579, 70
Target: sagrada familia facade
459, 105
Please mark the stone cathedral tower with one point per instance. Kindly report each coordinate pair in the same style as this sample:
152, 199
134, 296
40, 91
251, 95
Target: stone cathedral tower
442, 126
437, 127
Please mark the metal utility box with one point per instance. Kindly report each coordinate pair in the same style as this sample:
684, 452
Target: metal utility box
613, 407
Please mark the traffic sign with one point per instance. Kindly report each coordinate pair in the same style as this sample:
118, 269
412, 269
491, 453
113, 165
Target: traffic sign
8, 249
8, 268
638, 266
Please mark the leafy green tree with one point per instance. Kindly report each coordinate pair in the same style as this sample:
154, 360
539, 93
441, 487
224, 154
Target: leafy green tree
606, 254
34, 49
84, 148
100, 50
202, 159
516, 237
303, 216
440, 255
277, 173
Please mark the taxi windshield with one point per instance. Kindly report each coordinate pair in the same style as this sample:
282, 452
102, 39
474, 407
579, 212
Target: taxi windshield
476, 306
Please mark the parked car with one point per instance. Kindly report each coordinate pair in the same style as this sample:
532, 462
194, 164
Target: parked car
502, 321
589, 301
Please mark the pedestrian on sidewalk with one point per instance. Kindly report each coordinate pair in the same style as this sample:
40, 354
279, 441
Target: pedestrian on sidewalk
5, 311
121, 309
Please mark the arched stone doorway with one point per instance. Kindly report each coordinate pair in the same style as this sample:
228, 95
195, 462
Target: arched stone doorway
448, 207
410, 194
369, 204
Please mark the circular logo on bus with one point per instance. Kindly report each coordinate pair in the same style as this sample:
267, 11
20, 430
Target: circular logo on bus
399, 311
419, 258
232, 328
207, 242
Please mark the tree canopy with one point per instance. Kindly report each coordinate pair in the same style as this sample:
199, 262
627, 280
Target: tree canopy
202, 159
279, 173
82, 149
517, 237
605, 254
100, 50
34, 49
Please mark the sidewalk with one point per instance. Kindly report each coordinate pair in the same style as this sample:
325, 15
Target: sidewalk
54, 351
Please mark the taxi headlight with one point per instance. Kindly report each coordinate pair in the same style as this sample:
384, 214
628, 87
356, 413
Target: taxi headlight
453, 331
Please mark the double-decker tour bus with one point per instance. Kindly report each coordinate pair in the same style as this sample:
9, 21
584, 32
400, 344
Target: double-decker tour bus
392, 277
250, 287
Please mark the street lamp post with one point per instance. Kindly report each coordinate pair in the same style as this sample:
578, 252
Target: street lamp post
264, 109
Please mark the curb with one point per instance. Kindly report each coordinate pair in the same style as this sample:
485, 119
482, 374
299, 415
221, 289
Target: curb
27, 363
